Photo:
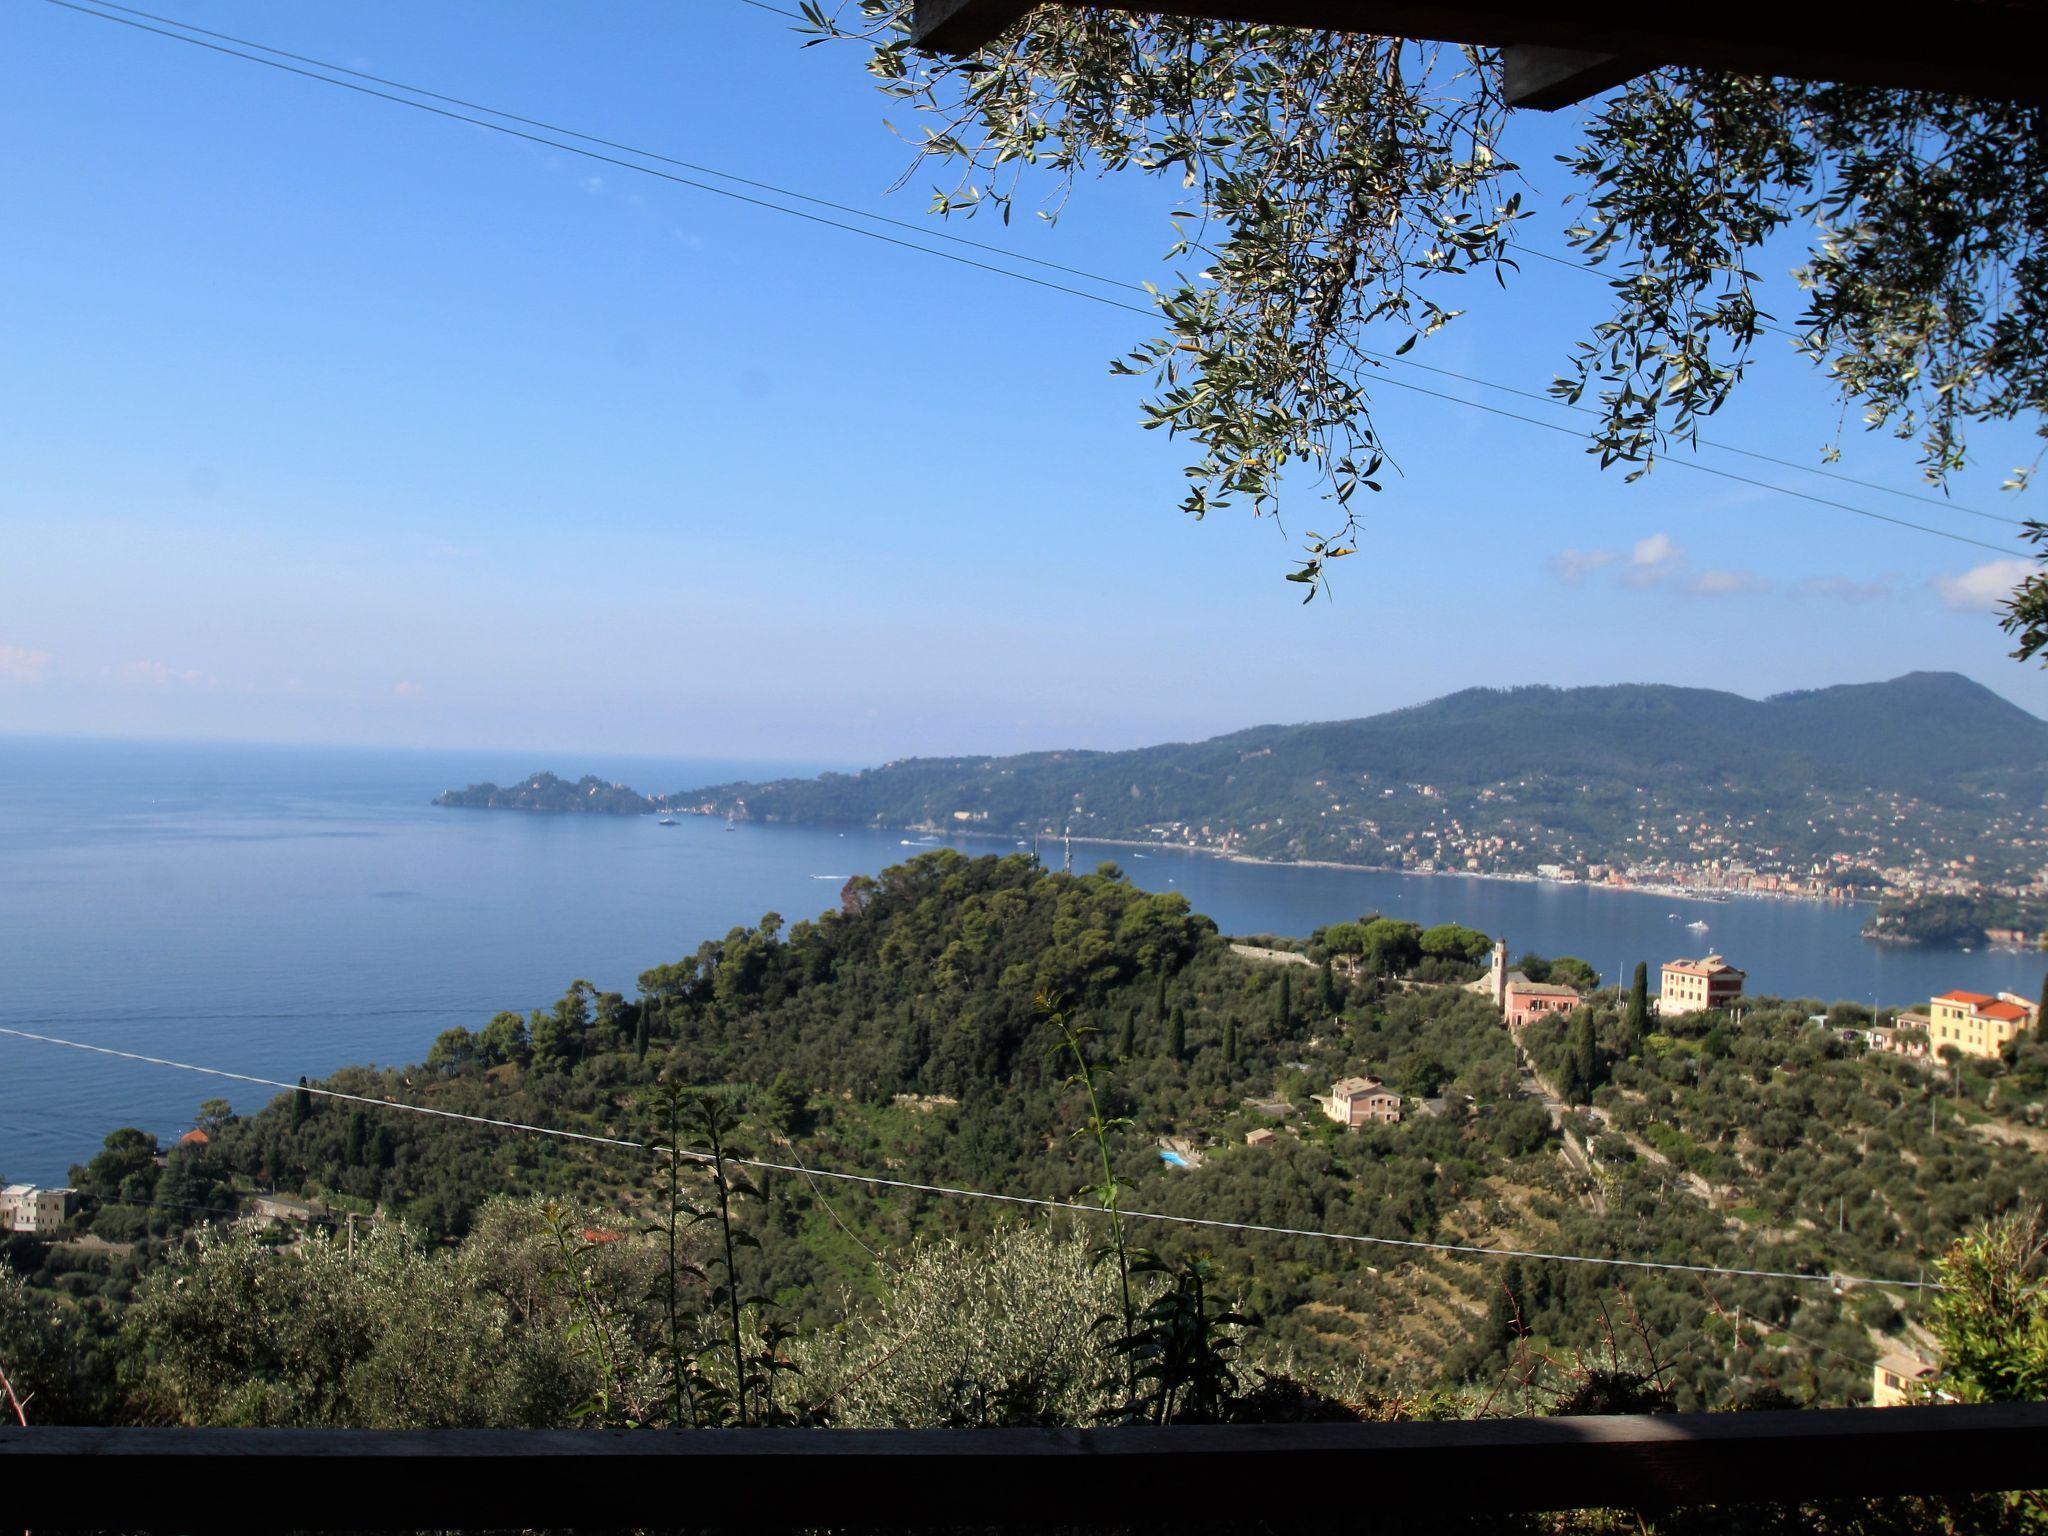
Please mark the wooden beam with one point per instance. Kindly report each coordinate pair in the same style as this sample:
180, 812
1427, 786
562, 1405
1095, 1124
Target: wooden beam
961, 27
1970, 47
1549, 78
314, 1479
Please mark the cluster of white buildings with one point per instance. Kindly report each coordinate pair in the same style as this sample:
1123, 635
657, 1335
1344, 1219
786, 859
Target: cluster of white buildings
30, 1208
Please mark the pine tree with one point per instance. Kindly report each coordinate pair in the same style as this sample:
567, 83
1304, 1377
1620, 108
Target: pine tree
1127, 1047
302, 1105
1177, 1039
1283, 1011
1635, 1021
1230, 1042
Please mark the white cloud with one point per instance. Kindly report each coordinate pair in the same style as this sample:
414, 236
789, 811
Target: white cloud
19, 664
1653, 560
155, 674
1573, 566
407, 690
1983, 587
1658, 549
1660, 562
1727, 582
1847, 590
593, 183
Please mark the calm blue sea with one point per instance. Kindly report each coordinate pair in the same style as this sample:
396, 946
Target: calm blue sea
280, 910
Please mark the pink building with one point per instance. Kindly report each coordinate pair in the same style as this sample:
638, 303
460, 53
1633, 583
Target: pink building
1518, 998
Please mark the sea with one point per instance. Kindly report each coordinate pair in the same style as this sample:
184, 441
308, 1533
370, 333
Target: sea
276, 911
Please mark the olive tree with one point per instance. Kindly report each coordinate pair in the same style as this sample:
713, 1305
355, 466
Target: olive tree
1333, 185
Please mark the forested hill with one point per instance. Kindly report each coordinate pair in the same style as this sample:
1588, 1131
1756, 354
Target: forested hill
906, 1035
1910, 772
546, 792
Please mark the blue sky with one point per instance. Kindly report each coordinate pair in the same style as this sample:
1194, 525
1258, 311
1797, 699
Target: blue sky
327, 420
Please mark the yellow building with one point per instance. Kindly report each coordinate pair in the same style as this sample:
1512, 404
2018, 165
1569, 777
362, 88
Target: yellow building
1898, 1378
1693, 986
1975, 1024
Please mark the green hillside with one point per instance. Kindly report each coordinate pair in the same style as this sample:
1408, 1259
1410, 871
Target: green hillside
903, 1034
1910, 772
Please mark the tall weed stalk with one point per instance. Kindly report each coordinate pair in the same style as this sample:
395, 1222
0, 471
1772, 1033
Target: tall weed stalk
591, 1331
1073, 1040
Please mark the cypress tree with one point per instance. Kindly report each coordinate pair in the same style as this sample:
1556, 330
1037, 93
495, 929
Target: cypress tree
640, 1035
1230, 1042
1160, 1007
1584, 1060
1326, 983
1636, 1020
302, 1105
1177, 1039
1127, 1047
358, 1138
1283, 1011
2041, 1018
1505, 1319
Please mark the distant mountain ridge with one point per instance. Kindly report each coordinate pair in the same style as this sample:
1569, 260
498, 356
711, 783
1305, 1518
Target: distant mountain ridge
1918, 772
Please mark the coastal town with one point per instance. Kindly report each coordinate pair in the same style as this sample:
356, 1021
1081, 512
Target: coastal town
1894, 851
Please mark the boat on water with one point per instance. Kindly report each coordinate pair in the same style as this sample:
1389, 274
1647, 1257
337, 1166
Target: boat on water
1697, 926
666, 821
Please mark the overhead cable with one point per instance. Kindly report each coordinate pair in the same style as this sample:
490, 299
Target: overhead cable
958, 1192
102, 9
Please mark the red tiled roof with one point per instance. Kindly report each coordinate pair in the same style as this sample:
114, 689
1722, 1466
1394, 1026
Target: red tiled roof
195, 1139
1974, 999
2008, 1013
1718, 967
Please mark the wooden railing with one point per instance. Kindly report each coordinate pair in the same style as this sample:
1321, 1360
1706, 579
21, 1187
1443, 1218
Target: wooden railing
1280, 1474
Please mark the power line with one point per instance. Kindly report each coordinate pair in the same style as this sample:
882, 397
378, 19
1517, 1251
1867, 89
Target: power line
1112, 303
1749, 453
950, 1191
633, 149
1708, 469
591, 154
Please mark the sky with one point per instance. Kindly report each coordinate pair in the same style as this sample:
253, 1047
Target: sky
328, 420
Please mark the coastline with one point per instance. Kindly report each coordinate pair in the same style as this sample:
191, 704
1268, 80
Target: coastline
1706, 894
